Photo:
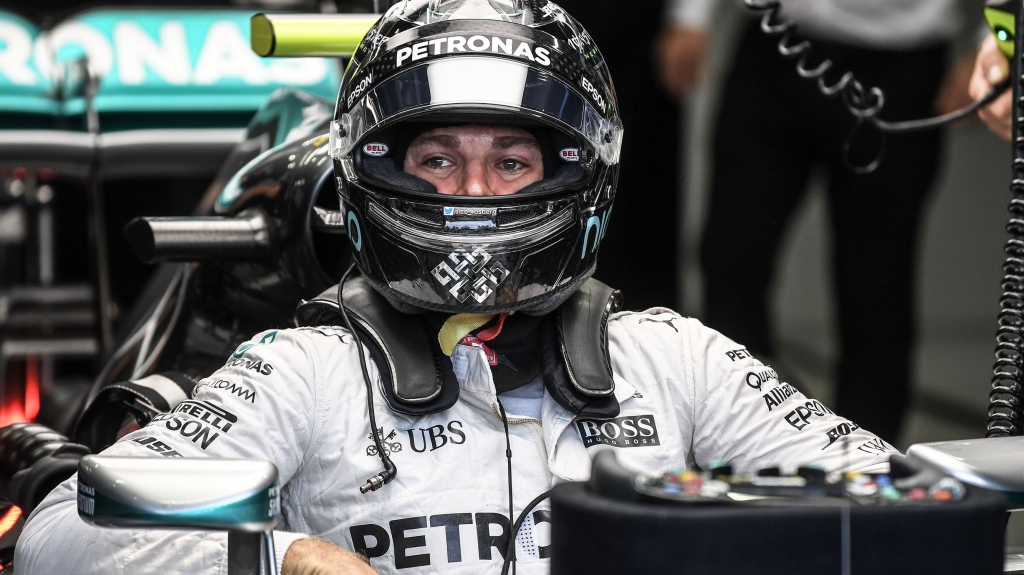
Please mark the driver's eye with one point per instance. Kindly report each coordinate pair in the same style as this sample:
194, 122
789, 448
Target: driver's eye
437, 162
511, 165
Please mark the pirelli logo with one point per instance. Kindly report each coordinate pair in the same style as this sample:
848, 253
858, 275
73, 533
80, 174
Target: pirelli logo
628, 431
201, 422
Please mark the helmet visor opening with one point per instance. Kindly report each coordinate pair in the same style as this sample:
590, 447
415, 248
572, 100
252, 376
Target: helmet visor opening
383, 159
479, 83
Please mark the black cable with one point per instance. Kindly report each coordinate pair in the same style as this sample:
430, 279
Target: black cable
519, 524
939, 121
863, 104
390, 471
1005, 405
511, 552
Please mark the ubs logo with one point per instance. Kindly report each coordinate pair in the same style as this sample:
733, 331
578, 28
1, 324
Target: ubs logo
385, 442
434, 437
629, 431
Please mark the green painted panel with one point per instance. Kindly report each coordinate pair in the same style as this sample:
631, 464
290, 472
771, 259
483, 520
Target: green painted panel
23, 87
152, 61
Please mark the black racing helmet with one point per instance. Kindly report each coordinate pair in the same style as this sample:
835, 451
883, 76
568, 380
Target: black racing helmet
525, 63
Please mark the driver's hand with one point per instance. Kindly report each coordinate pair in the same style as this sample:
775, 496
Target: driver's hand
316, 557
991, 68
680, 54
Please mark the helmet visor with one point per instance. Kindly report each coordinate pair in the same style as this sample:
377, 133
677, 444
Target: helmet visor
481, 83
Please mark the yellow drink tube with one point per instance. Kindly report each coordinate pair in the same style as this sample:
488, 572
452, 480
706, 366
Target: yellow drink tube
296, 35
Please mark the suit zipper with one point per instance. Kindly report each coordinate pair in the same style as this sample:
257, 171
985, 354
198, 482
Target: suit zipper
494, 410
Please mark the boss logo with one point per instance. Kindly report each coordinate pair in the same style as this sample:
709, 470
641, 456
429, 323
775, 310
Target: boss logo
376, 149
629, 431
570, 154
839, 431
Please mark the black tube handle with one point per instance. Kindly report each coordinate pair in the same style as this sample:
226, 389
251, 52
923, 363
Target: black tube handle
249, 235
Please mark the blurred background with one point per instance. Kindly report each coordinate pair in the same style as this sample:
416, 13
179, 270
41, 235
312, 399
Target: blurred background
958, 263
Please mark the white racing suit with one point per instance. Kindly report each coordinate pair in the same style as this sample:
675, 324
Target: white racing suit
688, 396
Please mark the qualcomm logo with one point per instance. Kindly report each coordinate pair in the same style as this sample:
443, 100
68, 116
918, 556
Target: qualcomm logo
189, 51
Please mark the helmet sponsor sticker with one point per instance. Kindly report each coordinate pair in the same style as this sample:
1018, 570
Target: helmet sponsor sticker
468, 44
569, 154
376, 149
590, 89
359, 88
456, 211
580, 41
472, 274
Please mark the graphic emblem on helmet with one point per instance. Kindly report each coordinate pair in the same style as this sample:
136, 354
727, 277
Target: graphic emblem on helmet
474, 274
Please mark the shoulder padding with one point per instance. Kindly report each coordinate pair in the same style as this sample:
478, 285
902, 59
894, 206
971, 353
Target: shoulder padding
418, 379
404, 347
583, 335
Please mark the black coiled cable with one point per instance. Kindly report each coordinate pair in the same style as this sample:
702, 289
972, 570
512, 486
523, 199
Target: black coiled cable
1004, 408
865, 104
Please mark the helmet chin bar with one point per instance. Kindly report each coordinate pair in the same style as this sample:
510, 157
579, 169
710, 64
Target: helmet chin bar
468, 261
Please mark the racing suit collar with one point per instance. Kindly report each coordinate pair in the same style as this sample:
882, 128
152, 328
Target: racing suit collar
567, 460
474, 374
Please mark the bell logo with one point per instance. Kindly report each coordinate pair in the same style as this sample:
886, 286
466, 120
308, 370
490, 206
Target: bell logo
375, 149
629, 431
570, 155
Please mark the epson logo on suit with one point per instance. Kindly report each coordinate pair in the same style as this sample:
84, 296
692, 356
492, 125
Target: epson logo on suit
628, 431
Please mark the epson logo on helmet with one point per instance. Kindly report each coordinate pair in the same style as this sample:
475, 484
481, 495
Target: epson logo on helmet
479, 44
570, 154
586, 85
376, 149
359, 88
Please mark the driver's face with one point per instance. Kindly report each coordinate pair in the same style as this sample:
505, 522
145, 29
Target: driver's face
476, 160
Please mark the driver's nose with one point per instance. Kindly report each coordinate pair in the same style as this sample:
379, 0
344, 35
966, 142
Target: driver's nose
475, 180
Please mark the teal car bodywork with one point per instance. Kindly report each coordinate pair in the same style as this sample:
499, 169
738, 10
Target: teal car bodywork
156, 68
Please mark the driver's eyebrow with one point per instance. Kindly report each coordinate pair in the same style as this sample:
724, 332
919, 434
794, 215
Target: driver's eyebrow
444, 140
506, 142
